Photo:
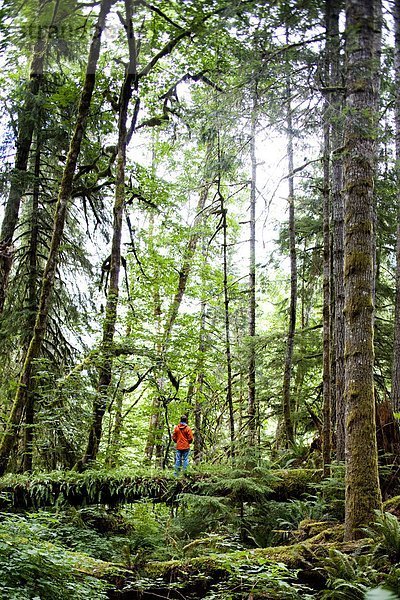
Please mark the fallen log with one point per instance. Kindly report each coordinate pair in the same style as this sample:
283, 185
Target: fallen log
24, 492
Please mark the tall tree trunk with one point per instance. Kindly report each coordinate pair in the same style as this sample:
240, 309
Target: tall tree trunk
35, 345
26, 125
396, 345
32, 293
362, 483
251, 404
287, 375
326, 377
327, 399
106, 351
338, 377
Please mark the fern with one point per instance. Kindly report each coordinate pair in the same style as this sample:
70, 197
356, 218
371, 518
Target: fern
386, 534
380, 594
348, 578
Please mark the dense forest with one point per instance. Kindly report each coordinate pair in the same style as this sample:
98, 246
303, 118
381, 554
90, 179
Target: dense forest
200, 216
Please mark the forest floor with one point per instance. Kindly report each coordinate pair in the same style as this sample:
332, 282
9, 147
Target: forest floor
225, 535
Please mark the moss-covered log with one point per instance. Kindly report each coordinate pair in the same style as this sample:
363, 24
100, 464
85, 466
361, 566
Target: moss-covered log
300, 558
112, 488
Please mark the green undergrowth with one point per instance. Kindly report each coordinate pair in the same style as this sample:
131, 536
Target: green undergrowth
32, 567
225, 534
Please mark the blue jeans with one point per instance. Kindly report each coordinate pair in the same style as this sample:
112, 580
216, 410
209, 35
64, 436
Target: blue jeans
181, 460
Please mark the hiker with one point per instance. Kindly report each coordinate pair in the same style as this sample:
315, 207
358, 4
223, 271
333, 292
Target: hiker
183, 437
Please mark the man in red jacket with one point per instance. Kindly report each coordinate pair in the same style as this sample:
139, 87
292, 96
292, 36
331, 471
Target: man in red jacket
183, 437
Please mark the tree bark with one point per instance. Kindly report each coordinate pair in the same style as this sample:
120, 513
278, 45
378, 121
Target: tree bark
35, 345
396, 345
363, 494
287, 375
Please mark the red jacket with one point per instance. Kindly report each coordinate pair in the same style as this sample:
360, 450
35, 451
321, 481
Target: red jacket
182, 436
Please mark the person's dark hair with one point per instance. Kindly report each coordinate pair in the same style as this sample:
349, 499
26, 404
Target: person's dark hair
184, 419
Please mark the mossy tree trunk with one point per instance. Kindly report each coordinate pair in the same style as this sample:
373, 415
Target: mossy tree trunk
396, 345
35, 345
363, 494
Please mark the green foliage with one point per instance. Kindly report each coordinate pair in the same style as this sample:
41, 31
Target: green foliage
332, 491
385, 531
380, 594
31, 568
274, 580
348, 577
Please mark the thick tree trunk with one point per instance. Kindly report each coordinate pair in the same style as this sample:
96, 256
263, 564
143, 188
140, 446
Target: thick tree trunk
396, 345
287, 375
106, 352
35, 345
251, 404
363, 494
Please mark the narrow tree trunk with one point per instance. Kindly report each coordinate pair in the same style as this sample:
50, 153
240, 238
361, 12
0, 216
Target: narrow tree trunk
287, 375
396, 345
106, 352
362, 483
252, 408
35, 345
